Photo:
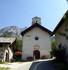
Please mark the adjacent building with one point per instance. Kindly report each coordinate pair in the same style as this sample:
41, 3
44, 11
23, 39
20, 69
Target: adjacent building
61, 32
7, 46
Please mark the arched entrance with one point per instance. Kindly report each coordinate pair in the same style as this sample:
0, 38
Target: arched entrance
36, 54
7, 57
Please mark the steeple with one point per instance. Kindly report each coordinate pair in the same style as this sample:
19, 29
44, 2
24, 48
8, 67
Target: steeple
36, 20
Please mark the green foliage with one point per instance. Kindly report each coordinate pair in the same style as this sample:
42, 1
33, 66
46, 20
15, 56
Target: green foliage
19, 44
17, 57
53, 47
6, 35
3, 68
64, 16
3, 62
60, 53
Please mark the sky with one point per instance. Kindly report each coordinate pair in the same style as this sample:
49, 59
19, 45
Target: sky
20, 12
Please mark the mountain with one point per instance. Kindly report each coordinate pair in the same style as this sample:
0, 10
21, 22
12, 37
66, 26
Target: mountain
14, 31
52, 38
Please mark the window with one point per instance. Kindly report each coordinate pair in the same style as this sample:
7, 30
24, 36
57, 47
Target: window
36, 38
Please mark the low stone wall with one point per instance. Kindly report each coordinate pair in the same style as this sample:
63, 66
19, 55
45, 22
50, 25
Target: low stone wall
2, 50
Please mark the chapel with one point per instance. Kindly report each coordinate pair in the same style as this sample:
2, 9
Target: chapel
36, 40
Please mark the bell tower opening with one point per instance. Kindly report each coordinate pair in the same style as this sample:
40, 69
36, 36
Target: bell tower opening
36, 20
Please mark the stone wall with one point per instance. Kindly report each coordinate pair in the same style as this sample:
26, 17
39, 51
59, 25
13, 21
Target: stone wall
2, 53
3, 50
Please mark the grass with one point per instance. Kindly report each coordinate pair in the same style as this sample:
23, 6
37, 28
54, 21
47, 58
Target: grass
3, 68
3, 62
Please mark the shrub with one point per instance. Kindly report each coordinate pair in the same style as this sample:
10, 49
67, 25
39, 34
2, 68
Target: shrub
53, 48
12, 60
18, 44
18, 52
44, 57
4, 68
60, 53
30, 58
17, 56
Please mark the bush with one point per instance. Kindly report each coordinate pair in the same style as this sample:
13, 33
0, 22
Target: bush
60, 54
18, 44
17, 56
44, 57
53, 47
12, 60
18, 52
30, 58
4, 68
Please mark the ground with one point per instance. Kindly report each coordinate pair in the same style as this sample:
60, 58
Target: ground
34, 65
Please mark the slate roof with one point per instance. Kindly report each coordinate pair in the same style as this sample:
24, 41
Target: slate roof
59, 24
7, 40
36, 25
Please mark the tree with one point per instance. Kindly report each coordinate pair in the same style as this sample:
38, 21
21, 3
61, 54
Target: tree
60, 53
6, 35
53, 47
18, 44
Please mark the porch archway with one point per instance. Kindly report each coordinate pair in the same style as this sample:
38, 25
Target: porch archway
7, 57
36, 54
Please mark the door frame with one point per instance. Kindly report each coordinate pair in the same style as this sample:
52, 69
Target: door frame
36, 54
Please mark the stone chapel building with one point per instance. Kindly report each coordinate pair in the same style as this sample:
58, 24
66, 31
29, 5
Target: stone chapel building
7, 48
36, 40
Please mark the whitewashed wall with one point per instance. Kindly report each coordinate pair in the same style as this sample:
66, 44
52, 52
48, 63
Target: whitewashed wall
29, 42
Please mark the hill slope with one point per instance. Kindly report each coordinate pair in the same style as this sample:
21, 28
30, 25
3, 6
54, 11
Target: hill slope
14, 31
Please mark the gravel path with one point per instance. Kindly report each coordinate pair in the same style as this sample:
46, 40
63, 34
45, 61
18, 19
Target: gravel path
34, 65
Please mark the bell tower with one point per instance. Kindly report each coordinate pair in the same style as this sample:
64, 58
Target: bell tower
36, 20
